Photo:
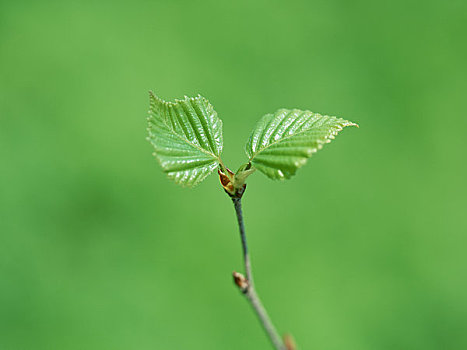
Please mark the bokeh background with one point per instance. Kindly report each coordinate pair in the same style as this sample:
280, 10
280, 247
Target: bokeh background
364, 249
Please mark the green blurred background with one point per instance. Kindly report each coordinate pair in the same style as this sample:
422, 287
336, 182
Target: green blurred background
364, 249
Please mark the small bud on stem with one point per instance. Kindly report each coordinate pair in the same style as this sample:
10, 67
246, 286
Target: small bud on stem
227, 180
289, 342
240, 281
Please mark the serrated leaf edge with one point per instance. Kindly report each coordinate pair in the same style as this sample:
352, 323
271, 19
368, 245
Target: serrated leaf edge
216, 158
320, 141
325, 139
172, 104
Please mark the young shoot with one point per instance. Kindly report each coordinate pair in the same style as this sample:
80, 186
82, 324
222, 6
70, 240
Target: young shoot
187, 139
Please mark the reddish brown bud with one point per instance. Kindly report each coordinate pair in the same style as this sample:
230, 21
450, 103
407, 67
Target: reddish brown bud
225, 181
240, 281
289, 342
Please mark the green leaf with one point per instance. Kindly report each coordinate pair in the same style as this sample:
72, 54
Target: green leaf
282, 142
187, 138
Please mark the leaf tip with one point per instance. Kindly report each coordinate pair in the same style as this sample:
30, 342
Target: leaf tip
152, 95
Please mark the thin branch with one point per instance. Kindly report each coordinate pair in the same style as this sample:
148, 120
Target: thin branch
247, 285
246, 257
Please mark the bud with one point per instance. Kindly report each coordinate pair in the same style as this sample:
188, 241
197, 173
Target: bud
226, 181
233, 189
289, 342
240, 281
